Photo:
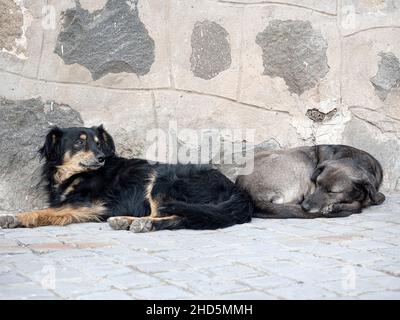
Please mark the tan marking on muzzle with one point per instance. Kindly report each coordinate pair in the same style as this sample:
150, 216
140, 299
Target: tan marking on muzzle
71, 165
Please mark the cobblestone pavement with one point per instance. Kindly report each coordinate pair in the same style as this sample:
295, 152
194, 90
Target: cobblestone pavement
348, 258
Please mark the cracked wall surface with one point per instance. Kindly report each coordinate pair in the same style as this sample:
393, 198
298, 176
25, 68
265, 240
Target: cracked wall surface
297, 72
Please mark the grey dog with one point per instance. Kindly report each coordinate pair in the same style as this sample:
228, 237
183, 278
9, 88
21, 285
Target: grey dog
311, 182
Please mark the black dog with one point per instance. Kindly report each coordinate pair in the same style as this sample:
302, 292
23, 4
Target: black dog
87, 181
310, 182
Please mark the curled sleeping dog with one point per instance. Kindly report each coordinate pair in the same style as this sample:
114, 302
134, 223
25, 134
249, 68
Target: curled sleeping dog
86, 181
310, 182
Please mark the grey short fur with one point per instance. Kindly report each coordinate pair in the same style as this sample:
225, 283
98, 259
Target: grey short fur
311, 182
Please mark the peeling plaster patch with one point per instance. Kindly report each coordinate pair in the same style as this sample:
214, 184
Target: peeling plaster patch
110, 40
294, 51
91, 5
388, 75
332, 131
319, 116
211, 51
14, 21
327, 132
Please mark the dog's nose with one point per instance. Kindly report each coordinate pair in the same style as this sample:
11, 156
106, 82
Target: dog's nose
100, 158
305, 206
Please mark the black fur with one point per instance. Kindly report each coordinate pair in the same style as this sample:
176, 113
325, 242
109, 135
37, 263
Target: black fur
202, 196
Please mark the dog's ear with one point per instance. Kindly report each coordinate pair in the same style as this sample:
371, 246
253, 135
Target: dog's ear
317, 172
374, 195
51, 149
107, 142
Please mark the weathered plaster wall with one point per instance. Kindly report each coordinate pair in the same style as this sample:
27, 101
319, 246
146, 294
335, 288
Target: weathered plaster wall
297, 71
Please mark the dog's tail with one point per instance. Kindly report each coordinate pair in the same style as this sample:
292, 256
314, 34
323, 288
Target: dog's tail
291, 211
236, 210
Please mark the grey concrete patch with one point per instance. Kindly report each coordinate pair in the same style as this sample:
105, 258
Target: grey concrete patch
294, 51
388, 76
211, 51
110, 40
11, 22
23, 126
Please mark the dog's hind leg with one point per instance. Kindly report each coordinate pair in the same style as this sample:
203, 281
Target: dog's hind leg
53, 216
269, 210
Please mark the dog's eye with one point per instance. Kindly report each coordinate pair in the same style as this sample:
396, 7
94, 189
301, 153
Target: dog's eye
79, 142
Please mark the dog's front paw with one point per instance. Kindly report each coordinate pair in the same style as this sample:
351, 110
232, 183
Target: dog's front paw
9, 221
328, 210
141, 225
119, 223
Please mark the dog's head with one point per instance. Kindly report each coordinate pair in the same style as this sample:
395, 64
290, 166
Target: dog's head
76, 150
341, 181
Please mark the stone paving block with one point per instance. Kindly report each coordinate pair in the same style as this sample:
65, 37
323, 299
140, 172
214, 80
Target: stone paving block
302, 292
280, 267
248, 295
387, 266
11, 278
368, 244
27, 290
186, 276
105, 295
192, 256
361, 257
387, 283
234, 272
131, 280
214, 288
248, 259
267, 282
56, 273
307, 260
71, 289
154, 267
380, 295
161, 292
356, 287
